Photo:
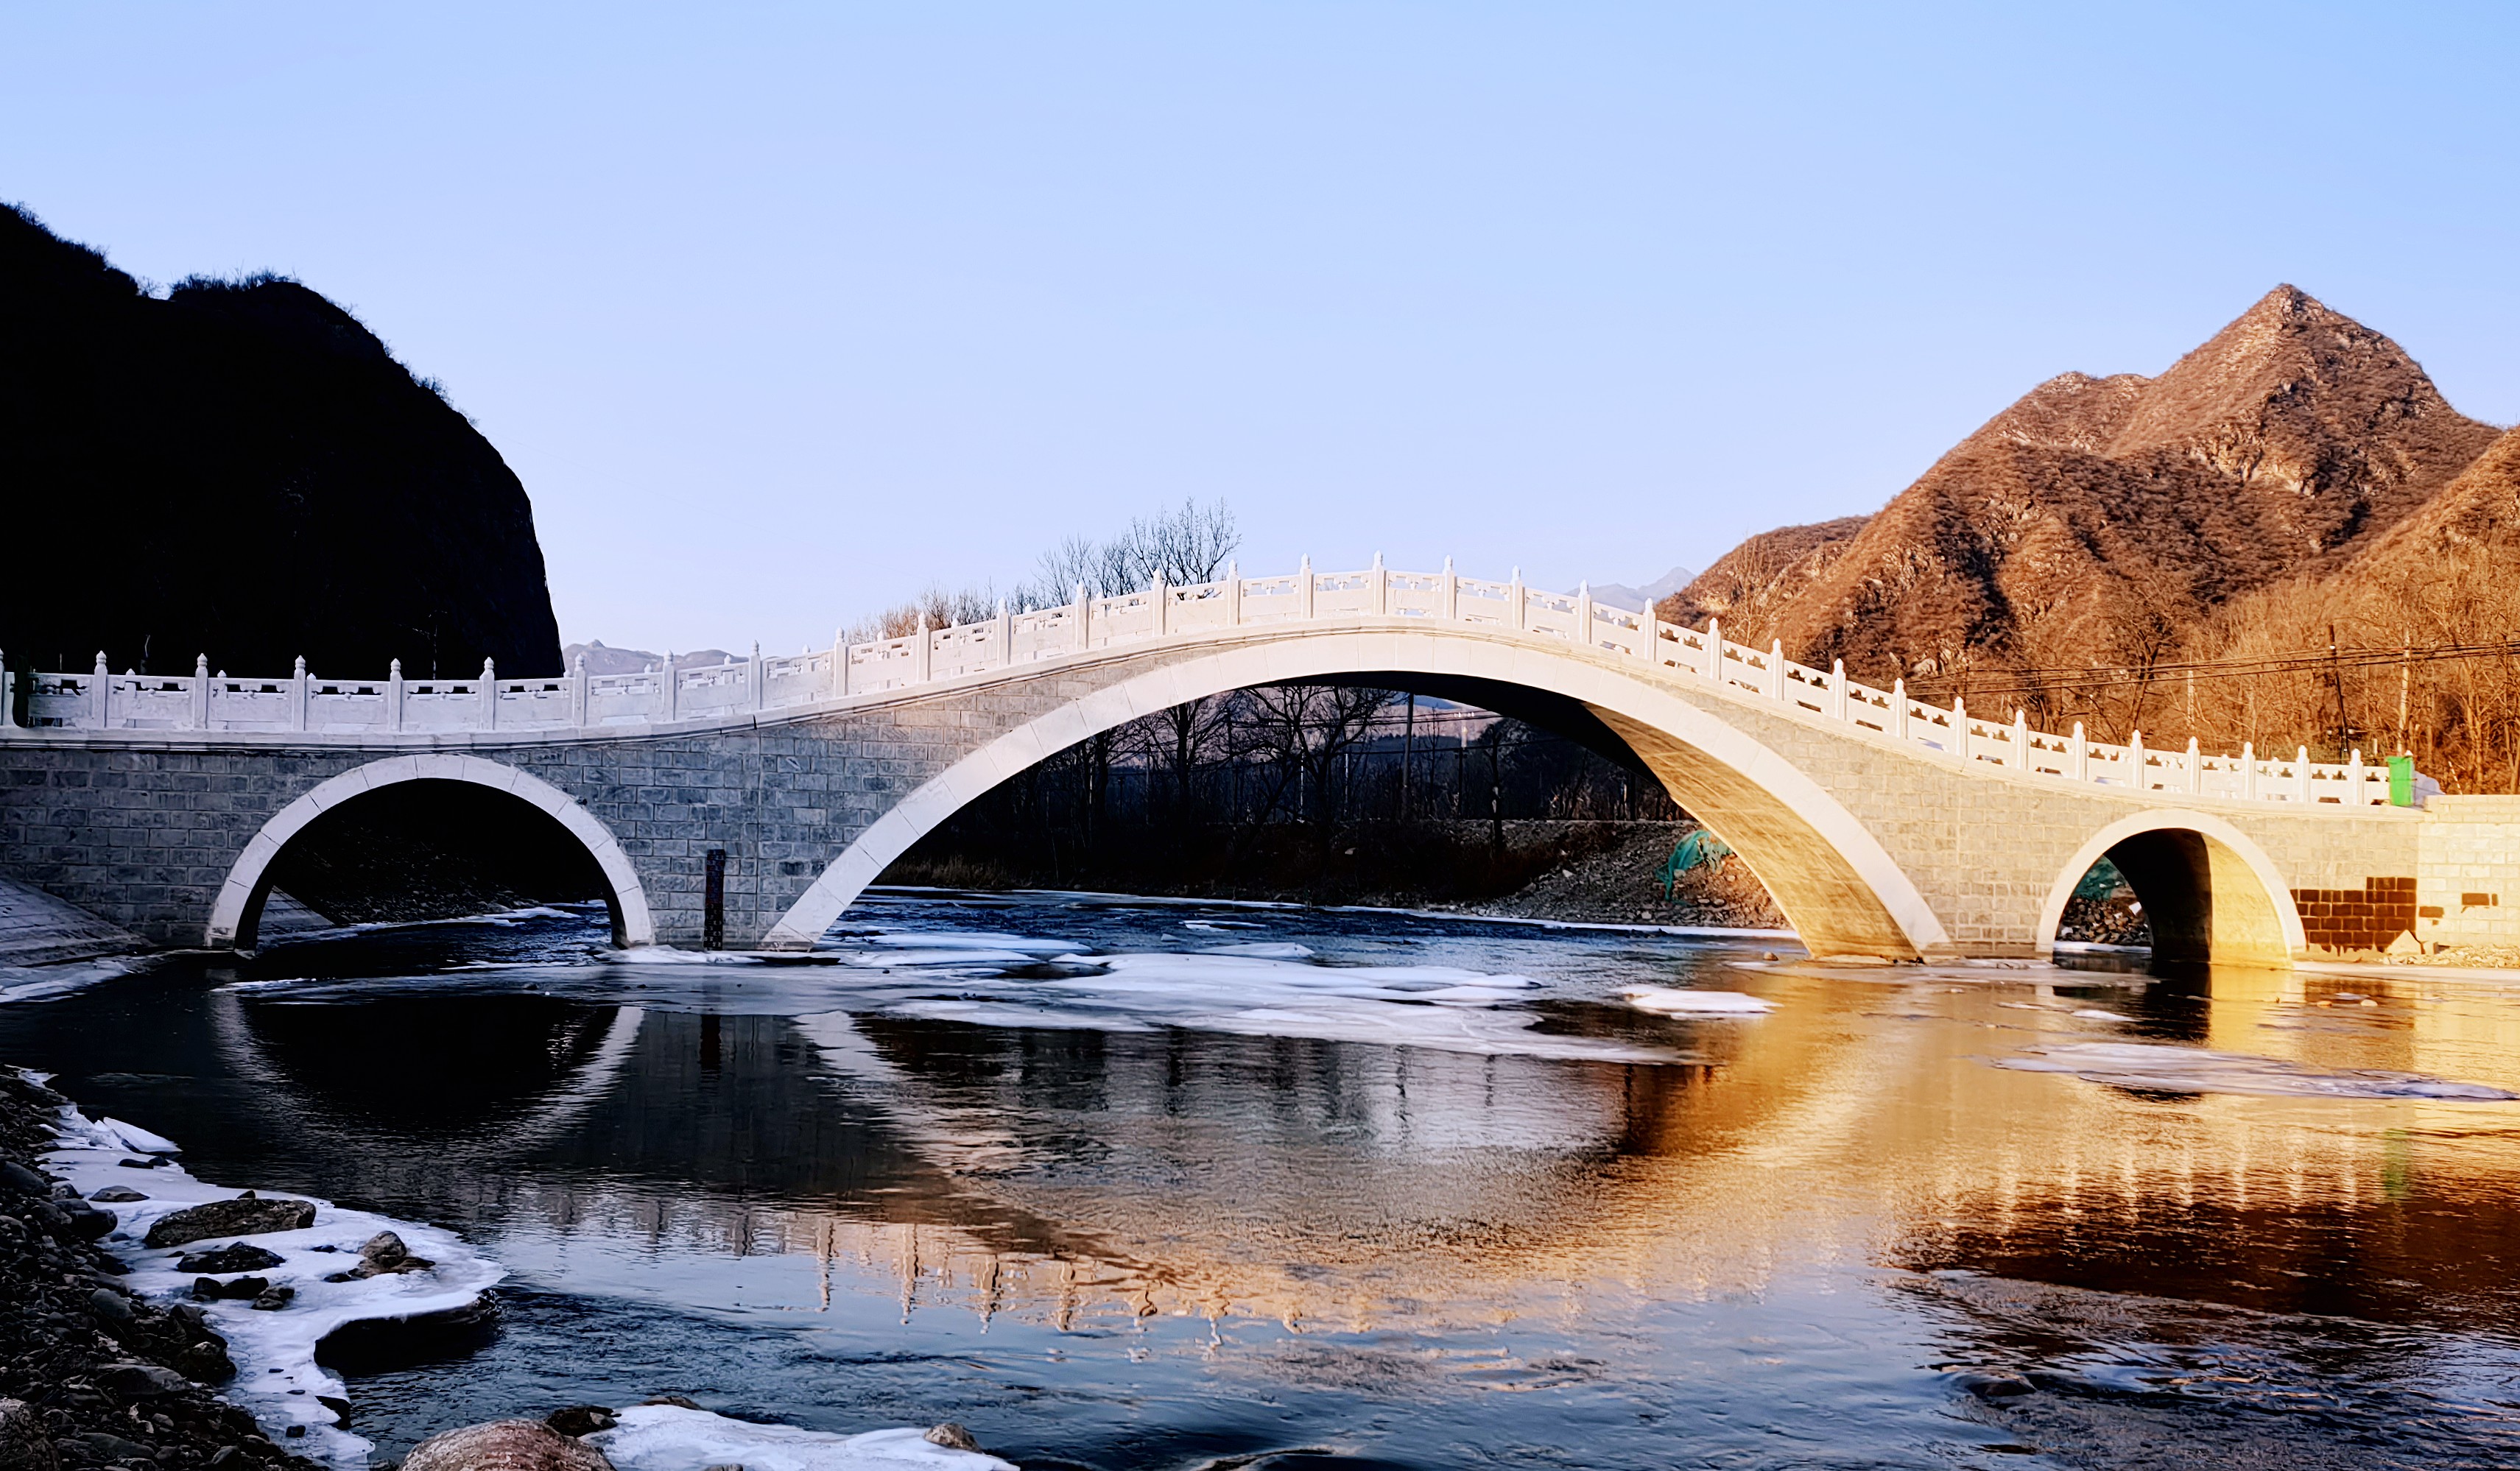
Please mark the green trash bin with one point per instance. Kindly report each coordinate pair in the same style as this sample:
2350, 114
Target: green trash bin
2402, 780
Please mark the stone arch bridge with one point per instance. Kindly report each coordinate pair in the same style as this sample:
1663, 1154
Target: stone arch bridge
1885, 826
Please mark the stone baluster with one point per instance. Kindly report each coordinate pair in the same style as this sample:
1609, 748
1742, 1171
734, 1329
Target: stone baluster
1452, 594
1777, 669
2079, 752
1084, 619
393, 694
1715, 650
1837, 688
201, 692
1006, 636
1584, 615
2301, 774
2135, 759
1899, 707
1233, 595
670, 685
1382, 587
1163, 604
488, 696
1304, 589
101, 699
922, 641
1960, 728
2196, 767
757, 677
1649, 636
2020, 757
1514, 593
840, 663
2354, 779
8, 696
298, 696
2249, 770
577, 692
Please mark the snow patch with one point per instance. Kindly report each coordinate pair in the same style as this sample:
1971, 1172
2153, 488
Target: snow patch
670, 1438
277, 1377
1672, 1001
41, 983
1436, 1006
137, 1139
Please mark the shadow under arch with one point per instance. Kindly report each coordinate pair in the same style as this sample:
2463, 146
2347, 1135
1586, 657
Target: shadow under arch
2209, 892
238, 912
1840, 890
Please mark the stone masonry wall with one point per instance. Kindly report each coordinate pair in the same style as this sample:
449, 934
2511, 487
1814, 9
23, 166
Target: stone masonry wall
2467, 881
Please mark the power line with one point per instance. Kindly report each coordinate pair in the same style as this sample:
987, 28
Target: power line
2065, 679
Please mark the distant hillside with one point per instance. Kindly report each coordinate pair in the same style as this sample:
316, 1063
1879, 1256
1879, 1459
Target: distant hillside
1637, 599
242, 470
2097, 520
1751, 585
602, 658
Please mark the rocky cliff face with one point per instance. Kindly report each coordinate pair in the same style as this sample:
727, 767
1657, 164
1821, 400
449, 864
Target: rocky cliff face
2096, 520
242, 470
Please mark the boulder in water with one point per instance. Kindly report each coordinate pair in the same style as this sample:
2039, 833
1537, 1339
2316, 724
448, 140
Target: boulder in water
383, 1255
581, 1419
505, 1445
235, 1255
247, 1214
211, 1289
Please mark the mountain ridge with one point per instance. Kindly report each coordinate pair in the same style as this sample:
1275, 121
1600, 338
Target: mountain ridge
2096, 517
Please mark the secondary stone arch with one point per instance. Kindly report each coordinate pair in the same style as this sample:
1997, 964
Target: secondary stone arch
2209, 891
1839, 888
240, 897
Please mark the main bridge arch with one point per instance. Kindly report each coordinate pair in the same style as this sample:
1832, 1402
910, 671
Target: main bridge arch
1836, 884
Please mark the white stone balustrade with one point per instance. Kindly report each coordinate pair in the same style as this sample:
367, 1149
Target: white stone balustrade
204, 704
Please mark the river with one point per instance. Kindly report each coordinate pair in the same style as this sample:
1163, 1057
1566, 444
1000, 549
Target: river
1125, 1183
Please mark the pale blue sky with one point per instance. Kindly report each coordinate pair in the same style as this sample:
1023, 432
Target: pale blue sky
784, 312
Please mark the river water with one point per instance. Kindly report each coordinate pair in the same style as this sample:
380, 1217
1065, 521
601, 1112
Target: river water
1120, 1183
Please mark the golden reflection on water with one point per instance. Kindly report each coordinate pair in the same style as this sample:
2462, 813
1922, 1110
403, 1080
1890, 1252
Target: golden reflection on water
1862, 1125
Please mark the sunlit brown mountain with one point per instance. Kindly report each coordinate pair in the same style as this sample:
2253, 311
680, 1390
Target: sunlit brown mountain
2099, 518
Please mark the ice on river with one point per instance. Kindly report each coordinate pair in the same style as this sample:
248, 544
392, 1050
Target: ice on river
277, 1377
1676, 1001
1265, 994
2194, 1070
670, 1438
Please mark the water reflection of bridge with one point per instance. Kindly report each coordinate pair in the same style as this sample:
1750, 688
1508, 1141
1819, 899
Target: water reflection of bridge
1063, 1174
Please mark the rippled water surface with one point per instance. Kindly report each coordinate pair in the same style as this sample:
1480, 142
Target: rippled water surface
1178, 1186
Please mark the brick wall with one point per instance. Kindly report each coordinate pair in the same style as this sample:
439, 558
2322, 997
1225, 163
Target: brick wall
2363, 919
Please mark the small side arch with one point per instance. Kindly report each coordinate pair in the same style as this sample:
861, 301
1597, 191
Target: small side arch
239, 907
2209, 892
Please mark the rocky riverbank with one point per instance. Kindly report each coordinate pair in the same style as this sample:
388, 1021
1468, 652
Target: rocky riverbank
90, 1374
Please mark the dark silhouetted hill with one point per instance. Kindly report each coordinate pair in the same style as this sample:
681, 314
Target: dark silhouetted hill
242, 470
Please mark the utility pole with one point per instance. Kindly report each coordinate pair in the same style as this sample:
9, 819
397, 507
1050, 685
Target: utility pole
2406, 677
2336, 676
